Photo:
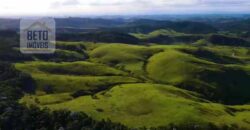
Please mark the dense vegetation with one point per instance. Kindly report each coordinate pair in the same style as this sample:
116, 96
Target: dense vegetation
109, 37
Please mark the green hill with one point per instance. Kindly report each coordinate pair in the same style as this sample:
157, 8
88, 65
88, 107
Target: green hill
148, 85
222, 83
150, 105
53, 77
166, 36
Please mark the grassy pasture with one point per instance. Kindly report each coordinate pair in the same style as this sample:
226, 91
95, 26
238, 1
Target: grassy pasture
151, 86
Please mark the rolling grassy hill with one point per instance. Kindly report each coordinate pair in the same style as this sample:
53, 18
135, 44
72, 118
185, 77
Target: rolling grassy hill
141, 73
148, 105
53, 77
148, 85
224, 83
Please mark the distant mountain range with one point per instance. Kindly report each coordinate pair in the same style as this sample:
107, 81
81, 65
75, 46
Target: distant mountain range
192, 25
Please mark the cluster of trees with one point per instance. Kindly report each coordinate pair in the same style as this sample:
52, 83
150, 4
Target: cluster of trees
13, 82
9, 47
107, 36
161, 39
146, 26
228, 41
10, 52
230, 84
17, 117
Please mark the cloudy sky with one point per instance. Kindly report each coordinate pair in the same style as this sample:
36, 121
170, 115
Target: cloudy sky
120, 7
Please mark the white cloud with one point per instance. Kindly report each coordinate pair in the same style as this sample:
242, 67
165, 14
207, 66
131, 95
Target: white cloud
82, 7
175, 2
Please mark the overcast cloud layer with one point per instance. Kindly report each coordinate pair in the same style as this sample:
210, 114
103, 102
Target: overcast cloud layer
118, 7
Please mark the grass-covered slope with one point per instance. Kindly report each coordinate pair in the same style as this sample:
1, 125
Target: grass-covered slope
151, 86
150, 105
220, 82
70, 68
129, 58
166, 36
69, 77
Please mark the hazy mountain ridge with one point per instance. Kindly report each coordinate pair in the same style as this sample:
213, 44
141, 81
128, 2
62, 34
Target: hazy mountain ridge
191, 25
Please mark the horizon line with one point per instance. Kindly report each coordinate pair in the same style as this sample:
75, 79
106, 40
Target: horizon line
120, 15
